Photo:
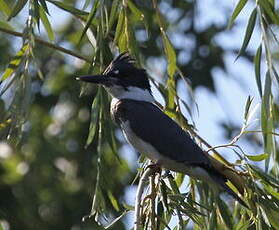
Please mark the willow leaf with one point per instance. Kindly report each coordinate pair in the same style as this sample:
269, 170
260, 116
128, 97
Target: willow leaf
259, 157
95, 114
13, 65
248, 32
171, 56
237, 10
46, 24
257, 63
269, 10
4, 7
68, 8
113, 14
90, 17
44, 5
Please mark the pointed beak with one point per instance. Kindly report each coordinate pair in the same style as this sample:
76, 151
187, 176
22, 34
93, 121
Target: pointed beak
96, 79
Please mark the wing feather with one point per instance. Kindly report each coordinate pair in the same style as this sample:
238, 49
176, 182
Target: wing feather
156, 128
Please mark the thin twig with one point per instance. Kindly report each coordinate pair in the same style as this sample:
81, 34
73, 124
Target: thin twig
48, 44
233, 141
144, 179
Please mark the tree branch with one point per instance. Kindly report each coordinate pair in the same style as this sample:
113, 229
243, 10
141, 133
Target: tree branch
144, 179
48, 44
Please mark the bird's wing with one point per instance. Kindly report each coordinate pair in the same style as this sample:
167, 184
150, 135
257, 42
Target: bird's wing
156, 128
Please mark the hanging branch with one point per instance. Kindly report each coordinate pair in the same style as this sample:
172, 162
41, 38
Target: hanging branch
143, 180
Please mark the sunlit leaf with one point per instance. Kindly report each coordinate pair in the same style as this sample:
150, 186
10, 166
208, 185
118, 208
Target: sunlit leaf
13, 65
113, 201
171, 56
259, 157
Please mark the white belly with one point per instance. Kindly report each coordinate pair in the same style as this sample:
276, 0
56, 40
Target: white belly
140, 145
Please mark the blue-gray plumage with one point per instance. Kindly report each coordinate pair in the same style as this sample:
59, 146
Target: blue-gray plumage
148, 129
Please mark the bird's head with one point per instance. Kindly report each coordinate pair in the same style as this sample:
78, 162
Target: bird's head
123, 80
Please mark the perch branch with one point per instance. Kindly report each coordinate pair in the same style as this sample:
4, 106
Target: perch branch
144, 179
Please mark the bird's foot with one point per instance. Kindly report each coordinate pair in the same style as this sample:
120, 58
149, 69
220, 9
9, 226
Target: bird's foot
156, 168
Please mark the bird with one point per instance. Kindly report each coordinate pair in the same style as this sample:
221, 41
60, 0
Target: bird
149, 130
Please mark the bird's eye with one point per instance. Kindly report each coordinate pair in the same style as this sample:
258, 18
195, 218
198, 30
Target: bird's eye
116, 71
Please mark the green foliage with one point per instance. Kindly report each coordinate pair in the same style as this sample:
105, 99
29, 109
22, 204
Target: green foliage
53, 168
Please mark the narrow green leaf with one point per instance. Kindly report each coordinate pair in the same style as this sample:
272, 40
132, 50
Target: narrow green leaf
36, 12
17, 8
225, 213
5, 25
259, 157
213, 220
13, 65
171, 56
275, 74
248, 33
90, 17
173, 185
237, 10
247, 107
119, 27
179, 179
267, 120
171, 94
95, 114
113, 201
5, 8
257, 63
113, 15
269, 10
265, 176
272, 191
68, 8
44, 5
46, 24
136, 12
164, 193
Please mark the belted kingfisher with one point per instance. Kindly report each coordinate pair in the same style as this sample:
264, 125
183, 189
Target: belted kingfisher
150, 131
